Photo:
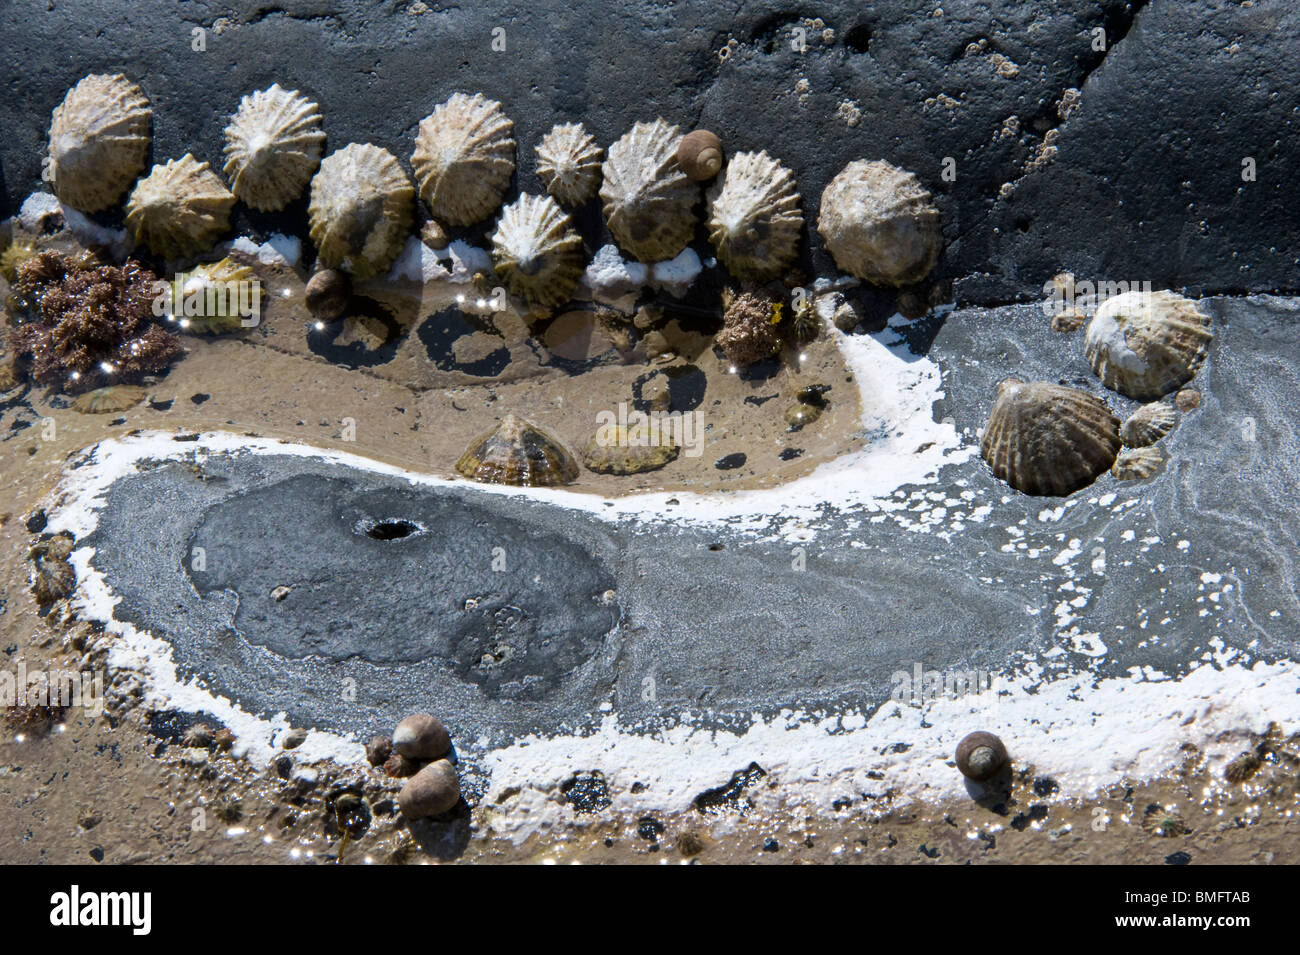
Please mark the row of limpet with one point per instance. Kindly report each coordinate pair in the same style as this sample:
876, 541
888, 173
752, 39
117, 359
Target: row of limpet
878, 221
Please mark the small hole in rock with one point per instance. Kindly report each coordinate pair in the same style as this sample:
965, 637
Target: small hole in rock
715, 547
858, 38
391, 530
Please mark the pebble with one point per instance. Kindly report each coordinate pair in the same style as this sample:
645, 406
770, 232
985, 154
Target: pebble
399, 766
421, 736
327, 294
378, 750
293, 739
430, 792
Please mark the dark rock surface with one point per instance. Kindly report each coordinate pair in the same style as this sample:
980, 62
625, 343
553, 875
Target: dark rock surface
1146, 183
710, 620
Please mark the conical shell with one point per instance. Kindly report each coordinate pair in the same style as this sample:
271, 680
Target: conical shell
464, 157
1135, 464
754, 217
568, 163
1048, 439
216, 298
536, 252
179, 209
879, 224
361, 210
648, 200
1148, 425
519, 453
1147, 344
273, 145
99, 141
622, 450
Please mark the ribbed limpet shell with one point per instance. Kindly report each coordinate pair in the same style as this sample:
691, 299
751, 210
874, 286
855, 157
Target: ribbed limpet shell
109, 400
1048, 439
519, 453
536, 251
99, 141
361, 210
464, 158
1135, 464
880, 224
273, 145
754, 218
568, 163
647, 199
179, 209
1147, 344
216, 298
623, 450
1148, 425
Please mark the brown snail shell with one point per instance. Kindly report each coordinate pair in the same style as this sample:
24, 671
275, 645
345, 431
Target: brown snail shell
699, 154
648, 201
361, 210
1135, 464
435, 789
179, 209
880, 224
464, 158
273, 146
980, 756
99, 141
1049, 439
519, 453
421, 736
754, 219
568, 163
536, 251
1148, 425
1147, 344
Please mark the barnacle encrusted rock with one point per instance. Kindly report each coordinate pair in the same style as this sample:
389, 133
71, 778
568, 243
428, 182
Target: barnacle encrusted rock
464, 158
754, 218
520, 453
880, 224
749, 328
1147, 344
361, 210
648, 201
536, 252
273, 146
568, 163
179, 209
99, 141
1048, 439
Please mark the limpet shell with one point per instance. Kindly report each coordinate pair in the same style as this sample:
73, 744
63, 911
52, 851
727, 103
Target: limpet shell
99, 141
754, 218
1048, 439
216, 297
109, 400
647, 199
273, 145
616, 449
568, 163
179, 209
1147, 344
880, 224
1148, 425
361, 210
464, 158
1134, 464
519, 453
536, 252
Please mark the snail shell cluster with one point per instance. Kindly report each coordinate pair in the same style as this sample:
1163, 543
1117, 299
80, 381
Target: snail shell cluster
754, 218
361, 210
273, 145
99, 141
179, 209
648, 200
568, 163
1147, 344
464, 158
536, 251
1049, 439
880, 224
1148, 425
520, 453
